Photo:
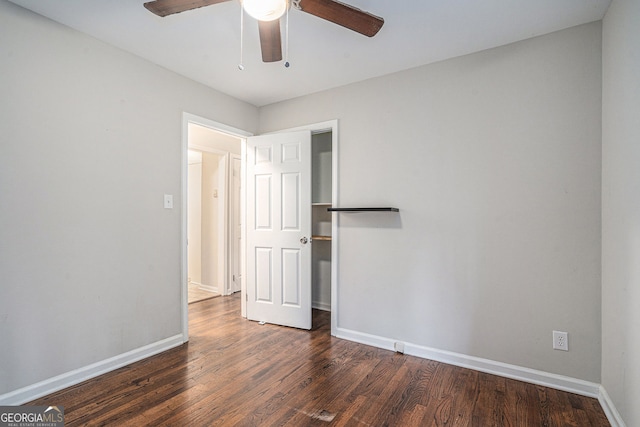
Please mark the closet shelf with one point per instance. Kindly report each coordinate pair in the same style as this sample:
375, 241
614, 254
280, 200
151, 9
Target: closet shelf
363, 210
321, 237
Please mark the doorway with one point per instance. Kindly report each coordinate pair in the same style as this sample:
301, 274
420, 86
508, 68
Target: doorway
205, 221
210, 202
241, 135
197, 133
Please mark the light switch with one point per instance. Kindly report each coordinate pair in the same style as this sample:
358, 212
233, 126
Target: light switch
168, 201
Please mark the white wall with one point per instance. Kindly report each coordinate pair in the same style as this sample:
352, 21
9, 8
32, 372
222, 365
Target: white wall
91, 140
494, 161
211, 238
621, 208
202, 136
321, 161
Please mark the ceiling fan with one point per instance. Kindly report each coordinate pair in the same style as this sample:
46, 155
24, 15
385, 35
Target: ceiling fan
269, 12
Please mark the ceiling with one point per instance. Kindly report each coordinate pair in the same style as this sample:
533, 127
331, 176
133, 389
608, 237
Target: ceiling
204, 44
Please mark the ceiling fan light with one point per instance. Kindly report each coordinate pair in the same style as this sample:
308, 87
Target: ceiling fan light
265, 10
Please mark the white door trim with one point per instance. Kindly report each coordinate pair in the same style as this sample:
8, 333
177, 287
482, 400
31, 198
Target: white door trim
232, 213
220, 127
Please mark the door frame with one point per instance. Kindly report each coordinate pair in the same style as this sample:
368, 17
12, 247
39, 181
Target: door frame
331, 125
188, 118
232, 212
321, 127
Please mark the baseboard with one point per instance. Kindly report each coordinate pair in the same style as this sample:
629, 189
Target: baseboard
321, 306
48, 386
208, 288
610, 409
560, 382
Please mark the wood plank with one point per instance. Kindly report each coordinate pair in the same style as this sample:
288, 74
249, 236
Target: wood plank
237, 372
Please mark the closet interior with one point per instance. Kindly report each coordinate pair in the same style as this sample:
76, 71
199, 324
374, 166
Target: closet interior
321, 192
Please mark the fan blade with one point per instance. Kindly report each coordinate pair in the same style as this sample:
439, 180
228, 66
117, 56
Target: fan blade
169, 7
270, 41
344, 15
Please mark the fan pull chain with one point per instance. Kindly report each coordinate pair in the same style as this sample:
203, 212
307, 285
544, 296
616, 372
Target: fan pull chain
286, 41
240, 65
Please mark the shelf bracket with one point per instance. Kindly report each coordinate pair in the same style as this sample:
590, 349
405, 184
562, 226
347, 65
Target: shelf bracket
363, 210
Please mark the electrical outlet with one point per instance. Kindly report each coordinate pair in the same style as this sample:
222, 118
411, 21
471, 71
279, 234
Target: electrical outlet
560, 341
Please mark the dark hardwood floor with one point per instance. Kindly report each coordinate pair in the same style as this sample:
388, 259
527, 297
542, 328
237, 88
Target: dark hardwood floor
237, 372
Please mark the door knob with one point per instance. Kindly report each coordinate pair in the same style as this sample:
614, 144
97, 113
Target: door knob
304, 240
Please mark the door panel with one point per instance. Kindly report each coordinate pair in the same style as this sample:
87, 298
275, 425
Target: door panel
290, 201
279, 229
291, 277
263, 196
264, 275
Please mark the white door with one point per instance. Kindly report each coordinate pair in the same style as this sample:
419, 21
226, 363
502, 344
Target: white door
279, 229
